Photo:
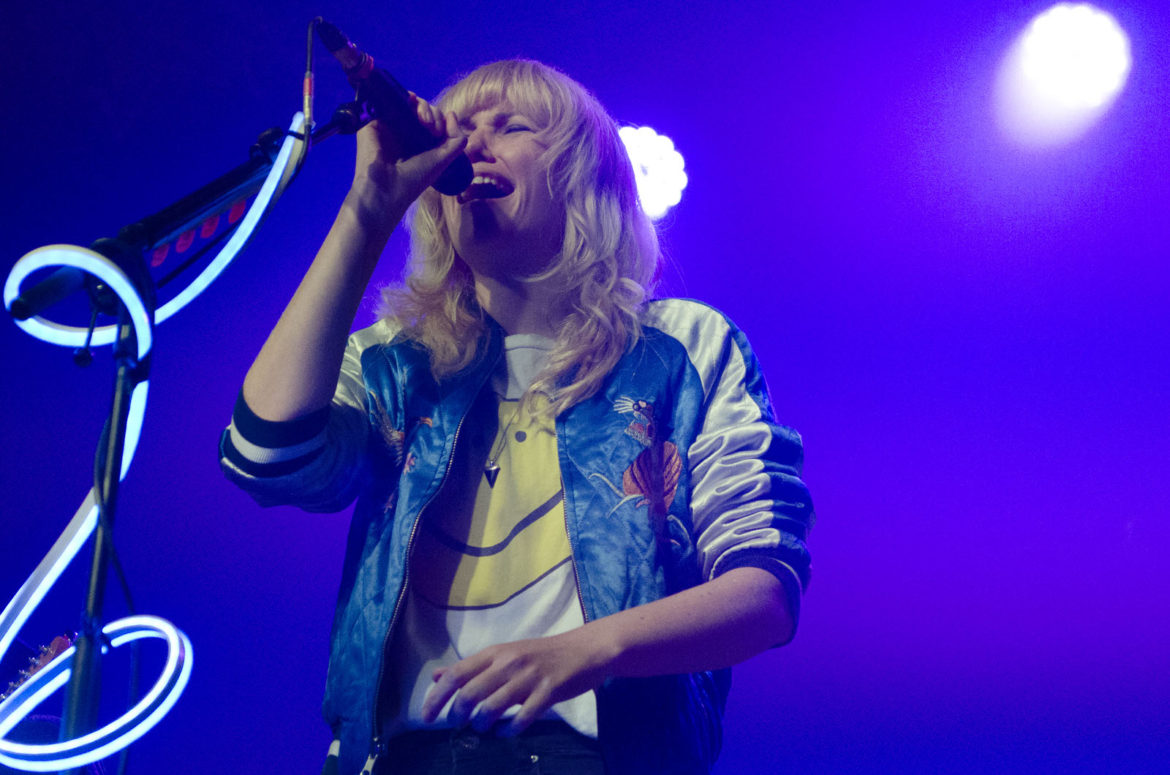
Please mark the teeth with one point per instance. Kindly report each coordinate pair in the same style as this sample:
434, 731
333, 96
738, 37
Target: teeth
486, 186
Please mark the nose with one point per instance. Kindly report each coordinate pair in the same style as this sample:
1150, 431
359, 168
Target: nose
478, 148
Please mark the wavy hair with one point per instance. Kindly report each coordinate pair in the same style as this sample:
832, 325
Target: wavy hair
609, 258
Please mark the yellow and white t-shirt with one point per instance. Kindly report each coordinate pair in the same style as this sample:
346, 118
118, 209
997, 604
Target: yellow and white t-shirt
494, 567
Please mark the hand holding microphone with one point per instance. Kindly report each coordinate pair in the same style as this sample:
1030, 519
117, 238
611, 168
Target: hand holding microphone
384, 182
400, 112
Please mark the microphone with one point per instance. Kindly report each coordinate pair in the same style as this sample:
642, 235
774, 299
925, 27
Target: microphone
390, 103
47, 292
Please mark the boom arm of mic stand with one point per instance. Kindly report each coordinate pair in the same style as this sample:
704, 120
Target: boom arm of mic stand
266, 175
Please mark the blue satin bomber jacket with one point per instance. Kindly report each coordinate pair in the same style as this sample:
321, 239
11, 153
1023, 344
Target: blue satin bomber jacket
674, 472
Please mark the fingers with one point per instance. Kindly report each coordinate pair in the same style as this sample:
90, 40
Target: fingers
447, 682
469, 682
481, 705
484, 700
533, 708
433, 119
426, 167
379, 168
378, 144
481, 690
440, 693
448, 127
532, 674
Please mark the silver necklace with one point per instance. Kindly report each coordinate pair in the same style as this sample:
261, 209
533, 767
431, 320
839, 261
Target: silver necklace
491, 469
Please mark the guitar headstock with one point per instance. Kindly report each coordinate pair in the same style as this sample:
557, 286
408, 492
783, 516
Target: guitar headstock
44, 656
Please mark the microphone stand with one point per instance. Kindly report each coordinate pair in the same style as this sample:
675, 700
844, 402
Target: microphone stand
132, 336
128, 251
239, 183
84, 690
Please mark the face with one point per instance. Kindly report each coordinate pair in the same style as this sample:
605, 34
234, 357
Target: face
507, 223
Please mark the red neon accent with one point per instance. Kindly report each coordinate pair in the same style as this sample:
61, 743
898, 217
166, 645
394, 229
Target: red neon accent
209, 226
184, 241
237, 211
160, 254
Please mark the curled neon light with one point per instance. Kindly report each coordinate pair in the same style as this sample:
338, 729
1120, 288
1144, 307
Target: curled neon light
157, 702
120, 732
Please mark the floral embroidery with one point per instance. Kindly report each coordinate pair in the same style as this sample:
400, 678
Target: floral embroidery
651, 481
642, 478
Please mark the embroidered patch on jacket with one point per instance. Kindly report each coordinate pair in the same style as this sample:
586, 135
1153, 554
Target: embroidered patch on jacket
652, 479
394, 438
642, 426
649, 478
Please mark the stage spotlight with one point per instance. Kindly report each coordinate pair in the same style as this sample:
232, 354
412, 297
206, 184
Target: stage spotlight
1062, 74
658, 168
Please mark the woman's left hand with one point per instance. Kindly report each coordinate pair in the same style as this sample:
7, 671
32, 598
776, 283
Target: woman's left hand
534, 674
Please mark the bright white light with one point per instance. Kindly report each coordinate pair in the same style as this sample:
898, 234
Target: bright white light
134, 425
1077, 54
129, 726
658, 168
1062, 74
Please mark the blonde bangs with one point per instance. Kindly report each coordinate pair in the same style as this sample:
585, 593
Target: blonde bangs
521, 83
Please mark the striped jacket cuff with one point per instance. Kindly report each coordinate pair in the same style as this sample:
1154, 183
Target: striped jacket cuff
265, 448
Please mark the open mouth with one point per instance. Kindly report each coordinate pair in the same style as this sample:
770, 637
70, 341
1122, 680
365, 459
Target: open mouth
486, 187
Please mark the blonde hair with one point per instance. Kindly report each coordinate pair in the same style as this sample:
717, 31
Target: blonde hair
609, 258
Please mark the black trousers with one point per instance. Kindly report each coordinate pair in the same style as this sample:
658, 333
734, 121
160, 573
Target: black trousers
545, 748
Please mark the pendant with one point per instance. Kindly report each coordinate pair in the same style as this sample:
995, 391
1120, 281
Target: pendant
491, 471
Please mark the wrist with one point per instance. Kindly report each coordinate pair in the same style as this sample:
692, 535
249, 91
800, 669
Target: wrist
603, 645
375, 209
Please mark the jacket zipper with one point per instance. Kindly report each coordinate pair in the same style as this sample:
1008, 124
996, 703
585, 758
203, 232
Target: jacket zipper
377, 744
568, 531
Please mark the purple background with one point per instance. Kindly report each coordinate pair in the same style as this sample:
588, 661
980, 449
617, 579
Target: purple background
973, 340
